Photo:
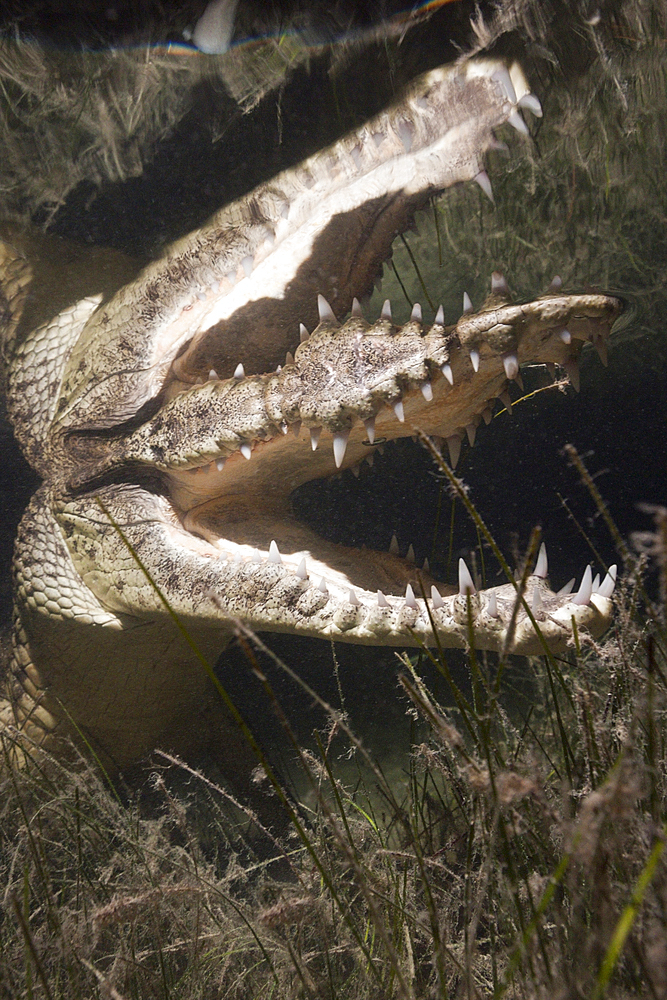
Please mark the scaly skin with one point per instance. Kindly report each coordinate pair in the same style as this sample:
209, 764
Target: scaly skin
135, 411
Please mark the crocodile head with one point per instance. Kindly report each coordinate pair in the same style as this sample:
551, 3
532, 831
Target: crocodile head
190, 405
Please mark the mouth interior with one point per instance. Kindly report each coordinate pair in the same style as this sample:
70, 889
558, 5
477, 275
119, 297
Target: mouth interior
345, 259
241, 504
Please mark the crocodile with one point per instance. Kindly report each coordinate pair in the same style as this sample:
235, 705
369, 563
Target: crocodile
171, 421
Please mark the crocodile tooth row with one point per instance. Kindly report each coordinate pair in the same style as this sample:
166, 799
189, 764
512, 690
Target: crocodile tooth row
466, 586
510, 363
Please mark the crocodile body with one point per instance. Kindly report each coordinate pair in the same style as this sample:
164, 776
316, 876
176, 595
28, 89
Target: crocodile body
187, 407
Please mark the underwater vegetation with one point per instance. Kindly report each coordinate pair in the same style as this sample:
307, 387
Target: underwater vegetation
520, 852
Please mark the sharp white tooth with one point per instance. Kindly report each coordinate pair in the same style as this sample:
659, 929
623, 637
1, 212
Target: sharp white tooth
303, 334
315, 437
499, 285
572, 369
556, 285
289, 358
467, 304
393, 545
427, 391
410, 554
279, 368
474, 358
353, 599
410, 601
325, 311
246, 264
378, 138
382, 600
274, 553
215, 287
471, 431
482, 179
246, 451
536, 600
322, 586
492, 604
436, 598
439, 317
542, 564
532, 104
583, 595
301, 571
511, 366
595, 584
257, 557
213, 375
567, 589
606, 588
296, 428
454, 446
416, 314
220, 464
339, 446
448, 373
426, 568
404, 130
397, 407
386, 310
370, 460
487, 415
517, 122
239, 371
506, 400
503, 78
355, 153
466, 586
566, 336
600, 345
355, 470
356, 309
231, 277
283, 427
370, 429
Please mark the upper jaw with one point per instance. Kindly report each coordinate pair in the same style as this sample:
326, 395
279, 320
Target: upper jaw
237, 289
